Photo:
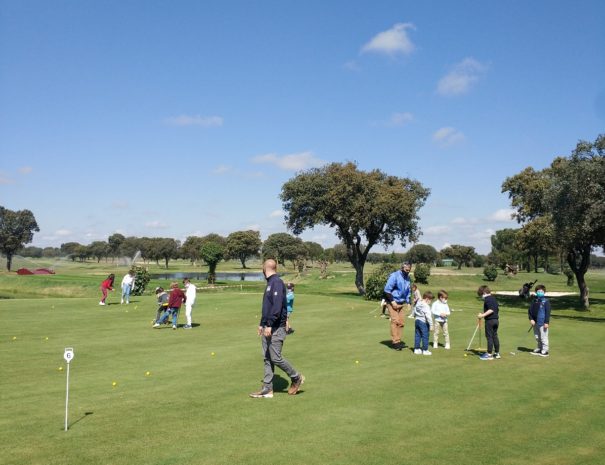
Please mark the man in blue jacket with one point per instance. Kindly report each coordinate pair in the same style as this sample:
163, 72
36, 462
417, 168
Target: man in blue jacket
397, 292
272, 331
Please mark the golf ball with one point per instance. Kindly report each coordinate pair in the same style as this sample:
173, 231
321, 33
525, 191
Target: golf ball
60, 368
212, 353
114, 384
14, 338
147, 373
466, 355
357, 362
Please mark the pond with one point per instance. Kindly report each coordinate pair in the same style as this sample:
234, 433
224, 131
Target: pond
197, 276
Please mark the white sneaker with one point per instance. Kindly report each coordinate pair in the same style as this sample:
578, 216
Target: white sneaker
435, 346
101, 303
417, 351
121, 301
447, 346
427, 352
156, 325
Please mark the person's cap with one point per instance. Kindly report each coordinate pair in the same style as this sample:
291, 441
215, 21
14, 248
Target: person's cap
158, 289
290, 285
406, 263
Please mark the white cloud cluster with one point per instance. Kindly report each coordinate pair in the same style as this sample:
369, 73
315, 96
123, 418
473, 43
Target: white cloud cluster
448, 136
462, 76
400, 119
156, 224
504, 215
290, 162
25, 170
276, 214
195, 120
392, 42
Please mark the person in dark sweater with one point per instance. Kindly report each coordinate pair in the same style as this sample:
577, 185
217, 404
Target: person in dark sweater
272, 331
176, 299
539, 318
490, 315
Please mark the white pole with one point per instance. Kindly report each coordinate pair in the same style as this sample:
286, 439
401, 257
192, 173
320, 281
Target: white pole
67, 396
473, 338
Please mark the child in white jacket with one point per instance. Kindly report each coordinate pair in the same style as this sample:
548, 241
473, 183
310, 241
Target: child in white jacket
441, 311
423, 324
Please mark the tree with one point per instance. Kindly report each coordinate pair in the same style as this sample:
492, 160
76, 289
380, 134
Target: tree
16, 229
212, 251
422, 253
314, 250
70, 249
504, 248
366, 208
191, 248
570, 193
164, 248
115, 241
462, 254
242, 245
281, 247
99, 250
536, 240
31, 251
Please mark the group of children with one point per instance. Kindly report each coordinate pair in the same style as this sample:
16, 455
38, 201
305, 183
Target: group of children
127, 287
432, 316
169, 304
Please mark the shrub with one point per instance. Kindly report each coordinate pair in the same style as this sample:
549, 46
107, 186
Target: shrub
422, 271
553, 269
377, 280
490, 272
141, 279
570, 276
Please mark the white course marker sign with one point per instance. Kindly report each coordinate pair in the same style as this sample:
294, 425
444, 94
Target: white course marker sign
68, 356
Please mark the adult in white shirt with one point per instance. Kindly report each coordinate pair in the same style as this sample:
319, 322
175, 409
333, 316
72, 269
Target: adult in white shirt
127, 287
190, 292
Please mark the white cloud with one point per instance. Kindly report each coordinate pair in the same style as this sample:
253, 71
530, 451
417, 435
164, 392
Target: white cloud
276, 214
352, 65
120, 205
254, 227
504, 215
392, 41
484, 234
398, 120
63, 232
437, 230
4, 179
291, 162
156, 225
462, 76
25, 169
222, 169
195, 120
448, 136
461, 221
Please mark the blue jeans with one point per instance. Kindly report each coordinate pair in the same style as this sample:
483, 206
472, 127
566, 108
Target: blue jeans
171, 311
126, 289
421, 335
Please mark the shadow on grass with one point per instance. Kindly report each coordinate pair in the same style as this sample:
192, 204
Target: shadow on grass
281, 385
568, 302
86, 414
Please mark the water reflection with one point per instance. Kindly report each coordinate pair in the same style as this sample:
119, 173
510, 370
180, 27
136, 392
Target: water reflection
204, 276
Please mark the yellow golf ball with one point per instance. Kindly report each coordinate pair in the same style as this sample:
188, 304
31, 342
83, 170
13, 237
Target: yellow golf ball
114, 384
14, 338
60, 368
357, 362
212, 353
147, 373
466, 355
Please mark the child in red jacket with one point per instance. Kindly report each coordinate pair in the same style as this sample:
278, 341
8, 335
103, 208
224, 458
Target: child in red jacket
106, 285
176, 299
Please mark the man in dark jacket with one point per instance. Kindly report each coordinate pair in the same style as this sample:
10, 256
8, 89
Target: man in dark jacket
272, 331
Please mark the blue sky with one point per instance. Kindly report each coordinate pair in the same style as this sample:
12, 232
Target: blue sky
178, 118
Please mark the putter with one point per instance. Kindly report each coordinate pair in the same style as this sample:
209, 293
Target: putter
473, 338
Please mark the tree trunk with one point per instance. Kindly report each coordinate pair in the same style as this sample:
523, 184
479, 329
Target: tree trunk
536, 263
359, 279
243, 260
9, 260
166, 258
578, 260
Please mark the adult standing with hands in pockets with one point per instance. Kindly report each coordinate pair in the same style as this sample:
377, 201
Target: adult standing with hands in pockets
397, 293
272, 331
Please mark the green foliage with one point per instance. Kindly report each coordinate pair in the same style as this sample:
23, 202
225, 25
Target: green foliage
461, 254
490, 272
377, 280
422, 253
422, 271
284, 246
242, 245
504, 248
16, 229
569, 274
212, 252
365, 207
570, 195
141, 280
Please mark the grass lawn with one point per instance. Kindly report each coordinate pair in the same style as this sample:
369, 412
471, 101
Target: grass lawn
362, 403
